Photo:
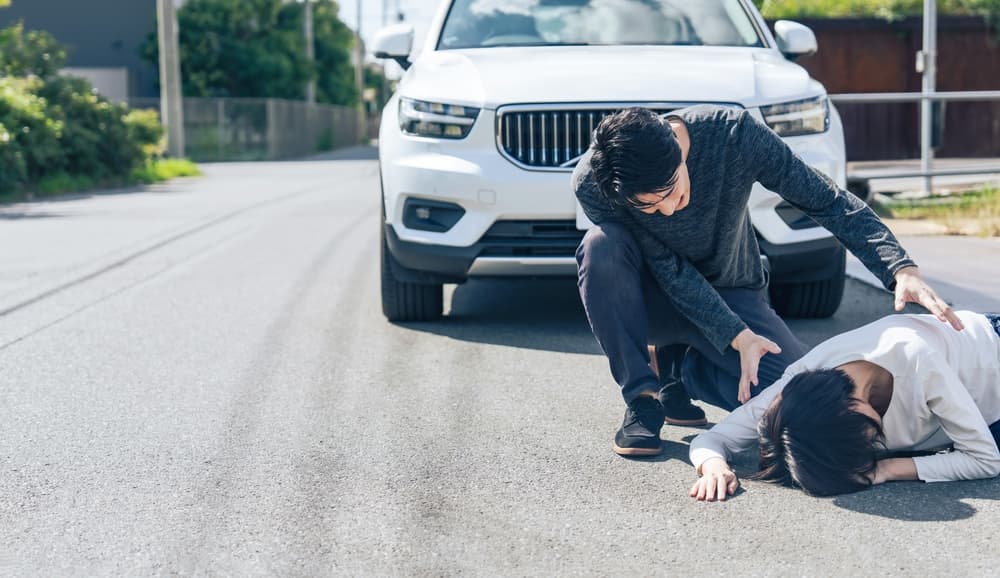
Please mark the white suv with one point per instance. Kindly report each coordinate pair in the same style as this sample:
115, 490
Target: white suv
477, 145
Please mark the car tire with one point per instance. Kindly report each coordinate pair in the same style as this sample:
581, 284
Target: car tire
408, 301
809, 299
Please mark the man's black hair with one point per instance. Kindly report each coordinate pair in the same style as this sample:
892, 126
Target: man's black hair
635, 152
811, 438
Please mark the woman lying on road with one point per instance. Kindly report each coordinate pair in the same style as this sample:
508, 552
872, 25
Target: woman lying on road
904, 383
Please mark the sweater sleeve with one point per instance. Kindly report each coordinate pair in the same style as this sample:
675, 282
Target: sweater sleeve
853, 222
689, 291
737, 432
975, 455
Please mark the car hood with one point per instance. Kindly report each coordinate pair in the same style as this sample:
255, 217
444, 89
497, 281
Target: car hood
492, 77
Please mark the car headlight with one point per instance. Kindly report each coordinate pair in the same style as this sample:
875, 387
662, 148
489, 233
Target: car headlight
810, 116
435, 120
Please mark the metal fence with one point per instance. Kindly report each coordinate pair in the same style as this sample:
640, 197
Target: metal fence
927, 171
249, 129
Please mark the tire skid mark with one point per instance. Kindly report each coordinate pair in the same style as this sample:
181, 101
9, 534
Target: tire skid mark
212, 222
231, 470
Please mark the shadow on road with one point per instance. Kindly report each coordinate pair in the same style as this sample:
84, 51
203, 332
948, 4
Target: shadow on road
355, 153
919, 502
547, 315
17, 216
535, 314
671, 451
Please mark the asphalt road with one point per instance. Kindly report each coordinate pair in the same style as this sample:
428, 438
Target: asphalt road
197, 379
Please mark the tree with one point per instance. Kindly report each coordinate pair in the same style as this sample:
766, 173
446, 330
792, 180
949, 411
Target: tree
334, 44
256, 48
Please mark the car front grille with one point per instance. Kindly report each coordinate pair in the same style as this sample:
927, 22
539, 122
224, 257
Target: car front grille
550, 139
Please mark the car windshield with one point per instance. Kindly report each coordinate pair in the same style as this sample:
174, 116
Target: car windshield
486, 23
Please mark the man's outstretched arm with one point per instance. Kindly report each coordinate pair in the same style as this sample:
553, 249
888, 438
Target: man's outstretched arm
776, 166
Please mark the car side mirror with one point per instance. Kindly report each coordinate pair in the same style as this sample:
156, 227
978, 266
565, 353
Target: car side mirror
394, 42
794, 40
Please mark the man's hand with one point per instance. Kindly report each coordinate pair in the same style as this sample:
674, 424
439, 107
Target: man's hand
751, 347
911, 288
716, 482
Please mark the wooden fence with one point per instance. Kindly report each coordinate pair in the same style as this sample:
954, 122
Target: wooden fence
869, 55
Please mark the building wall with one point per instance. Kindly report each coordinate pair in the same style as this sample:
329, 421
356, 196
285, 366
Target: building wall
98, 33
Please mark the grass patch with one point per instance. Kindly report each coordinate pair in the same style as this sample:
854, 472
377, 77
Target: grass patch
154, 171
973, 213
163, 170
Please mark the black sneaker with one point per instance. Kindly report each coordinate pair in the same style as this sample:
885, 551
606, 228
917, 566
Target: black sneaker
677, 406
639, 434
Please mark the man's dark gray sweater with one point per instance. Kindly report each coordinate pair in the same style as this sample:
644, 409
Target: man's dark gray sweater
711, 242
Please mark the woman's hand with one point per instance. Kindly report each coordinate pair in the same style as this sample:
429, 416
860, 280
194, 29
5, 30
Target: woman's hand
911, 288
894, 469
751, 347
716, 482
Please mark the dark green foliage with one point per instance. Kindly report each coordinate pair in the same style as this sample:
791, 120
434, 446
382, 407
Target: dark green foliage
29, 53
256, 48
887, 9
58, 128
334, 41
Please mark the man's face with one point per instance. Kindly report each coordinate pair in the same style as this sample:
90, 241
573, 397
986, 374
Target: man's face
675, 197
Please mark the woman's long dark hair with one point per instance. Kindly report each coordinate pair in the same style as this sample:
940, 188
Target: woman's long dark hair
811, 438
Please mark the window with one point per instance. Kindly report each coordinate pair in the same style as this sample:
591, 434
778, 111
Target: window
485, 23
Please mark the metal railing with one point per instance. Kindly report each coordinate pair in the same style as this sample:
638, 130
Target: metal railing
926, 66
248, 129
927, 171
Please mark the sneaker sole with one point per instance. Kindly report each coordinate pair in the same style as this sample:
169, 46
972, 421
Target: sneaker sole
671, 421
635, 451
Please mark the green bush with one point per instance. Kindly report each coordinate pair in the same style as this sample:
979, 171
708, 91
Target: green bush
56, 131
31, 136
887, 9
33, 53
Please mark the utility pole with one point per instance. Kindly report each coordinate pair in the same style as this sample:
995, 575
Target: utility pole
310, 52
359, 79
171, 104
384, 89
927, 66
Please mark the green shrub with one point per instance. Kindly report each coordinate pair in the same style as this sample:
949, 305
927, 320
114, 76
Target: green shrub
144, 128
33, 53
63, 183
56, 131
35, 136
13, 168
887, 9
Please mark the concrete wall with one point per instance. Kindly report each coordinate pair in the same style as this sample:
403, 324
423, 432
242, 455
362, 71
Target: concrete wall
98, 33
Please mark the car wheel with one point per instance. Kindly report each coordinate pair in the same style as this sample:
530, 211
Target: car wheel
809, 299
408, 301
